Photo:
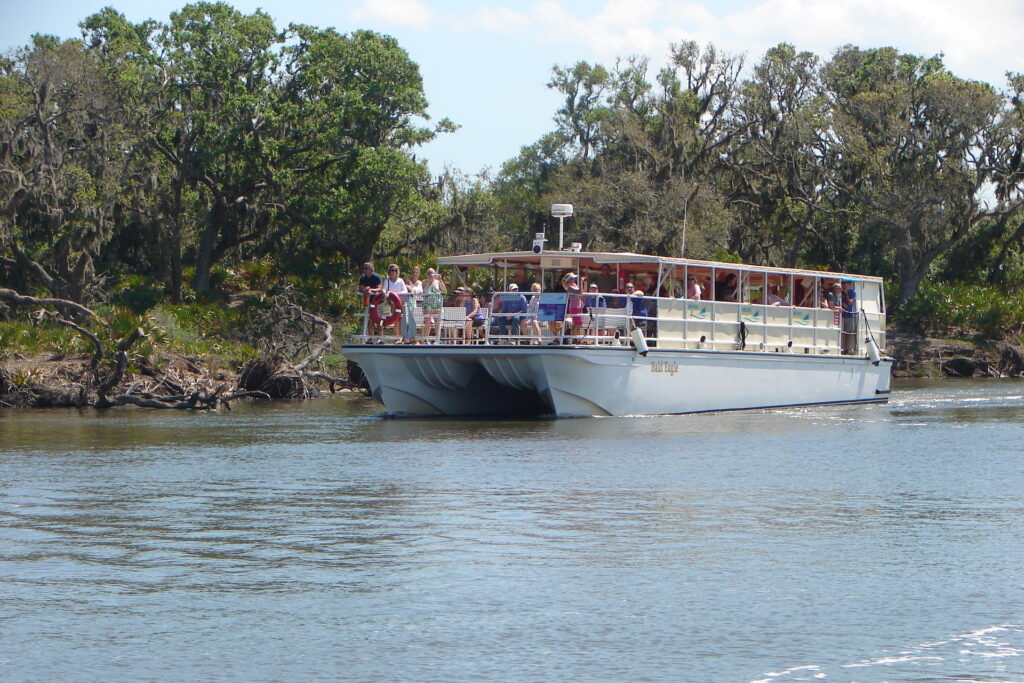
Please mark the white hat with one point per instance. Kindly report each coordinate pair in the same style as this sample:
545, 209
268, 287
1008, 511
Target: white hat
513, 287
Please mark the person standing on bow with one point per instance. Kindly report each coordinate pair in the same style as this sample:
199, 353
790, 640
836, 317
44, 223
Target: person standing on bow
369, 282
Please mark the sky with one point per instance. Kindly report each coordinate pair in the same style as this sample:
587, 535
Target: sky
486, 63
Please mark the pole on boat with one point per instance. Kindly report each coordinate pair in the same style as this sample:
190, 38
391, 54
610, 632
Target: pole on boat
561, 212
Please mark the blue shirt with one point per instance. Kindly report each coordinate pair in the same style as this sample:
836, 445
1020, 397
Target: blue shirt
639, 306
512, 303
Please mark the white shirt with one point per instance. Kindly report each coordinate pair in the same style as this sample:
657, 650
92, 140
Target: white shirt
396, 286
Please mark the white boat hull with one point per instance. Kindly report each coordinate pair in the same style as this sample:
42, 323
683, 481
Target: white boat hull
584, 381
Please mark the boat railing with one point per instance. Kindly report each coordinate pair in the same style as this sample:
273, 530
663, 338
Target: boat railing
610, 319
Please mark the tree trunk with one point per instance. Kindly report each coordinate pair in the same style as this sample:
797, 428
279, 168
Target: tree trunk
204, 258
912, 273
174, 243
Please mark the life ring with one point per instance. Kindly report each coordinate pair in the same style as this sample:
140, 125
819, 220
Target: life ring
378, 301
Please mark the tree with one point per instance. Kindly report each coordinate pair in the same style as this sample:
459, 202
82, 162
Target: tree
774, 170
656, 149
347, 110
916, 149
64, 161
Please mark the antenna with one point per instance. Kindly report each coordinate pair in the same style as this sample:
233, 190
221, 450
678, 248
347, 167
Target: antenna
561, 212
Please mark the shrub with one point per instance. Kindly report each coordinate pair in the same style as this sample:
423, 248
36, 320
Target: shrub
955, 309
137, 294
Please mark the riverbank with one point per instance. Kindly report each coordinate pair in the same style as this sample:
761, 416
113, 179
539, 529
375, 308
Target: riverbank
60, 381
931, 357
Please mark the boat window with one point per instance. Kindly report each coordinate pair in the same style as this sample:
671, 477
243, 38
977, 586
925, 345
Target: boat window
803, 291
753, 288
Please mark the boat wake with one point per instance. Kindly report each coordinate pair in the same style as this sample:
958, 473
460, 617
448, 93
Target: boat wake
980, 655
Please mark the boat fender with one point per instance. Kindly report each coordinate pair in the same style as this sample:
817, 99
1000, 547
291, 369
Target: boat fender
377, 315
615, 340
639, 342
873, 352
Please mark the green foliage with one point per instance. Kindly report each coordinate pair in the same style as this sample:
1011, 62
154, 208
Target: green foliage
137, 293
725, 256
963, 310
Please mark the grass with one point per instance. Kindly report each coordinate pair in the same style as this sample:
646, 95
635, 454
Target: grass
208, 331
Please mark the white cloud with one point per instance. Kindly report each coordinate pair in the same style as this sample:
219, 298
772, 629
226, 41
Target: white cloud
980, 39
502, 20
411, 13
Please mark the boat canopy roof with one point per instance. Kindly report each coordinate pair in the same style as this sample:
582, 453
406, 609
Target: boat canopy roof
557, 260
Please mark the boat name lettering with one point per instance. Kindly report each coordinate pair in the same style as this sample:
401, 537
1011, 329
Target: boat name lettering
671, 367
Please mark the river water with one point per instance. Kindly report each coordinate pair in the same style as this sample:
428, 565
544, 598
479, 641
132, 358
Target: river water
320, 541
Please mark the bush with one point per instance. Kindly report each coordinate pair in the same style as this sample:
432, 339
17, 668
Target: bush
137, 294
960, 310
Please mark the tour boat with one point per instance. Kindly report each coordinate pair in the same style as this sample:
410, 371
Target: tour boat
751, 337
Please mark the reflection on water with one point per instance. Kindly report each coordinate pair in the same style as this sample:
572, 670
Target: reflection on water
319, 540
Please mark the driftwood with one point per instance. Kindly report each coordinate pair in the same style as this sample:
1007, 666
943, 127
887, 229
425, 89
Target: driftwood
21, 299
274, 375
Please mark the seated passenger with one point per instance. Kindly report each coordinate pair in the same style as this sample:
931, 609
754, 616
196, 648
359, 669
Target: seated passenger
474, 316
725, 289
693, 290
511, 305
593, 299
773, 297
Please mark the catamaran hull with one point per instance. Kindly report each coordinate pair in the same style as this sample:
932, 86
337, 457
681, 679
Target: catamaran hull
579, 381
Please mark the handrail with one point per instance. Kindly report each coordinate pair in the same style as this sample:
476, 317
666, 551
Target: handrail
669, 323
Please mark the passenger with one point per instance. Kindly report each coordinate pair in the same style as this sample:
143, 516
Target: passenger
369, 282
440, 280
393, 283
850, 300
594, 298
571, 284
433, 298
414, 284
532, 310
626, 291
638, 310
693, 290
773, 297
522, 279
512, 305
474, 316
834, 297
725, 289
606, 279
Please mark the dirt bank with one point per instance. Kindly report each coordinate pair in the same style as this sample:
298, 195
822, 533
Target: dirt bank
929, 357
174, 382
